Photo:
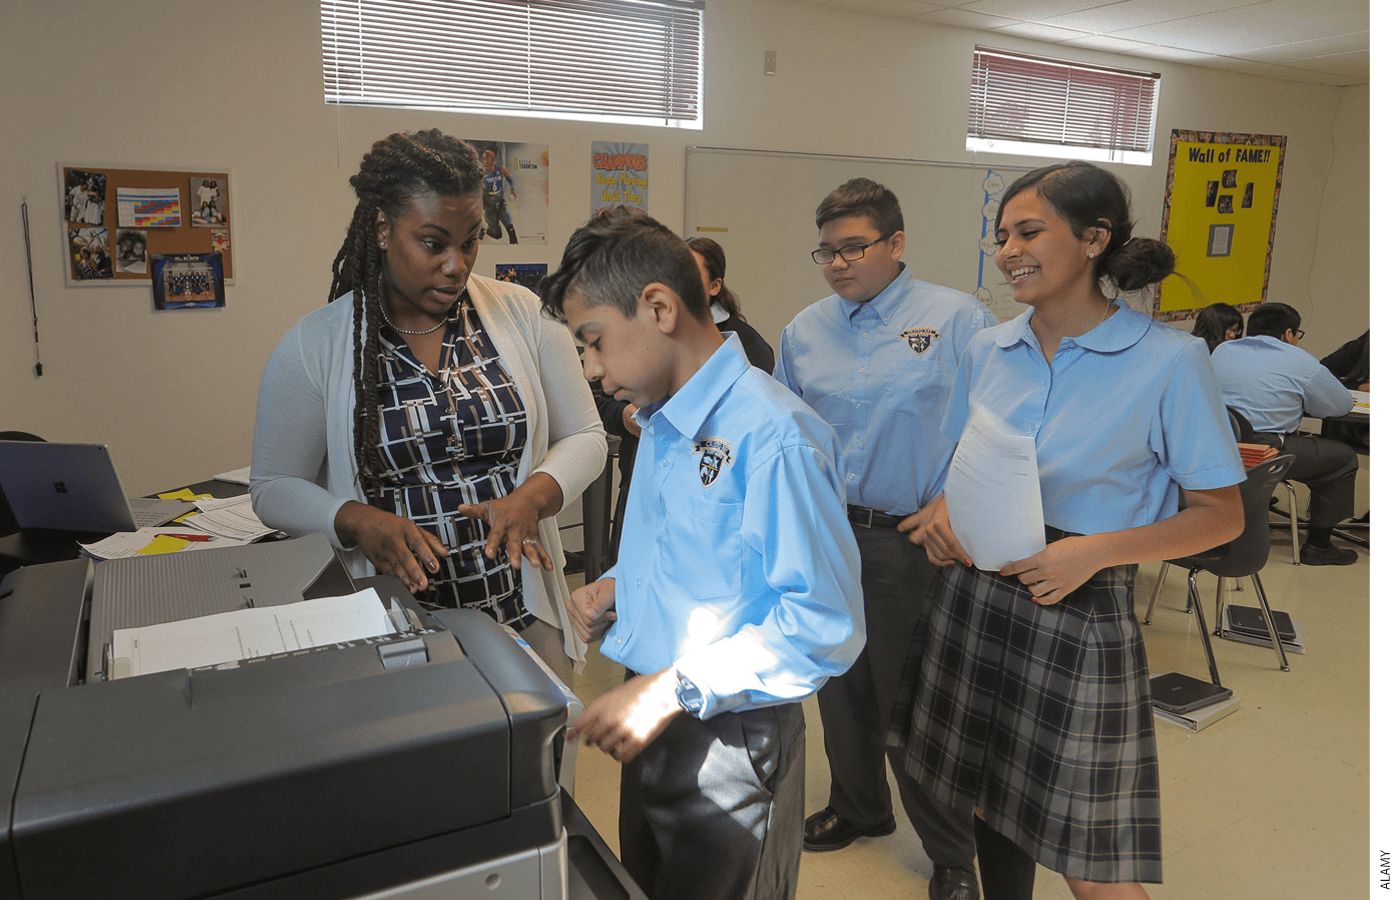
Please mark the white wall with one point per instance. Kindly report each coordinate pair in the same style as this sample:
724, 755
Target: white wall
195, 83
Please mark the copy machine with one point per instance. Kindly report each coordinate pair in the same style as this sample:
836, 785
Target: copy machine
420, 764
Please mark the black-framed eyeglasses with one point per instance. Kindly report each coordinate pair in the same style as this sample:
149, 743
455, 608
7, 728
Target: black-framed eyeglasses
1298, 333
850, 252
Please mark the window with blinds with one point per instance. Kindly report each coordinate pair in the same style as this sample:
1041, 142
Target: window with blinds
1038, 106
638, 61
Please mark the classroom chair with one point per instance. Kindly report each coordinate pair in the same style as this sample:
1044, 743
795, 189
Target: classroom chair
1243, 557
1244, 434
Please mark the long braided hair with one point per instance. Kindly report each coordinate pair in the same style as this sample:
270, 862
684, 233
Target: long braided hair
397, 169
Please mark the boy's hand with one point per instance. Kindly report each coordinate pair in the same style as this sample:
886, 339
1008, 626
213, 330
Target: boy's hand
591, 609
627, 718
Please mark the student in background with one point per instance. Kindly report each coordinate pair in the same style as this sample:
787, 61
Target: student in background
1030, 703
876, 359
617, 414
737, 591
1218, 323
430, 422
1274, 383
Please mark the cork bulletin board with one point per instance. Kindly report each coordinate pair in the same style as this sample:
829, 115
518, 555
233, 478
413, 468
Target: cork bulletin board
115, 221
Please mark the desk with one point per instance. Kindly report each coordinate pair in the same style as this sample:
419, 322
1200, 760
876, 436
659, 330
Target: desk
42, 545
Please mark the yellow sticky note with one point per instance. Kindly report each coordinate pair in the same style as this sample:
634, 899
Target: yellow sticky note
163, 543
182, 494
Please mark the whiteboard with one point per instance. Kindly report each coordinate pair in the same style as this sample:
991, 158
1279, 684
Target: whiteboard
760, 206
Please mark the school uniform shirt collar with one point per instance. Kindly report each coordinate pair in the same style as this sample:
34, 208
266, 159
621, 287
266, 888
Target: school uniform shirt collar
688, 408
1119, 331
887, 302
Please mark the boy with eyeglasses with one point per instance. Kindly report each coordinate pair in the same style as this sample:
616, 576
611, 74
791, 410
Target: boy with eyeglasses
875, 359
737, 587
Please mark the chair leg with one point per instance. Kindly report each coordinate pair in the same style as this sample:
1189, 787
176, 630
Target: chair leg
1205, 630
1219, 605
1293, 519
1156, 590
1269, 623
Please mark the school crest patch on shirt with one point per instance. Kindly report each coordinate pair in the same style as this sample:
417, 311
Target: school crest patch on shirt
920, 339
714, 454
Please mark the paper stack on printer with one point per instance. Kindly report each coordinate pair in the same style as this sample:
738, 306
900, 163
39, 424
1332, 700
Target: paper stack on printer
251, 633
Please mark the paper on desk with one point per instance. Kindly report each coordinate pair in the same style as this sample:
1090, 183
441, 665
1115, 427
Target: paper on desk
237, 476
230, 517
247, 633
993, 493
149, 541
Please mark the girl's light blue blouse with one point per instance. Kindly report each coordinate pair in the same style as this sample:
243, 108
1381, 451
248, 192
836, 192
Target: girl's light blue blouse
1122, 416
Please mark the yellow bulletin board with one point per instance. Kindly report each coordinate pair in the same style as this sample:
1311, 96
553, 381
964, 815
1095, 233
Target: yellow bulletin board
1219, 217
117, 220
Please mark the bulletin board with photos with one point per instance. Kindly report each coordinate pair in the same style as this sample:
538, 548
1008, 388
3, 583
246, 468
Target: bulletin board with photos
118, 223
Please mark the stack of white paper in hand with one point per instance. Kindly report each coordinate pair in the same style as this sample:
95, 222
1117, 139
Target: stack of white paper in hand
993, 493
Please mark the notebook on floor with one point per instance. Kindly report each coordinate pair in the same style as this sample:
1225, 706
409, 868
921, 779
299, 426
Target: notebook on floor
1178, 693
74, 487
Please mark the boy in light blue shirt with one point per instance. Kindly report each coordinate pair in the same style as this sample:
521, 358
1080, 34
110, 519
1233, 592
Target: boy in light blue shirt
737, 588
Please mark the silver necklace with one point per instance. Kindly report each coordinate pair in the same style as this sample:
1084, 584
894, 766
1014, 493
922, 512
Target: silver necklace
390, 322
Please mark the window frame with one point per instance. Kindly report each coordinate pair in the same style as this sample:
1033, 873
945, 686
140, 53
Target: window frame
617, 61
1119, 125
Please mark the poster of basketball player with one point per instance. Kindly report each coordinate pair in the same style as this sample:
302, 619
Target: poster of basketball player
515, 191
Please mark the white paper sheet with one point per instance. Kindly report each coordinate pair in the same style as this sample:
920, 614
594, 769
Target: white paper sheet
246, 633
230, 517
993, 493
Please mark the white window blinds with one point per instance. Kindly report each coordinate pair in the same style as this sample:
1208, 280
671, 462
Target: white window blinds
630, 60
1067, 107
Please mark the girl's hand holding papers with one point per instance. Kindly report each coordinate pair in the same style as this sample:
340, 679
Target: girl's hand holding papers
1053, 573
930, 529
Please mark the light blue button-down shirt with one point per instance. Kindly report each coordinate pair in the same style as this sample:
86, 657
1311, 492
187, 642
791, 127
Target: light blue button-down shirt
879, 372
1274, 383
737, 561
1121, 416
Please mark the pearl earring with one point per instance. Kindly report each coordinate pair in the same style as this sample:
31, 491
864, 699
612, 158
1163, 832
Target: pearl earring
1092, 254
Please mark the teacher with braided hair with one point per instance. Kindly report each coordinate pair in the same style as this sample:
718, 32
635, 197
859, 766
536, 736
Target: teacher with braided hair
431, 422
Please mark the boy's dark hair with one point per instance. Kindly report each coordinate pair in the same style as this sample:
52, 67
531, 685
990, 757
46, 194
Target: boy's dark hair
1273, 320
614, 256
863, 197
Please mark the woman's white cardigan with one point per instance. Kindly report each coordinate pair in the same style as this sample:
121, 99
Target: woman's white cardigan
303, 445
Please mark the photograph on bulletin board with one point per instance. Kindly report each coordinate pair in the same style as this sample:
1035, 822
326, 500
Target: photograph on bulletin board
515, 191
187, 281
524, 274
118, 220
1219, 218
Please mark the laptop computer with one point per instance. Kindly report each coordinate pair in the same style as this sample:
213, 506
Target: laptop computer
1177, 693
74, 487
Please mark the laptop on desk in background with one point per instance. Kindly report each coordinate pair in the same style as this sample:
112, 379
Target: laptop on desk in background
74, 487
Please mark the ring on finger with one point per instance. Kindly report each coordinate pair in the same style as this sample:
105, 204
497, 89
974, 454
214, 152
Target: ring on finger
529, 542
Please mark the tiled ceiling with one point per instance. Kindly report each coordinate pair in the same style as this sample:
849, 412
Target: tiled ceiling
1314, 41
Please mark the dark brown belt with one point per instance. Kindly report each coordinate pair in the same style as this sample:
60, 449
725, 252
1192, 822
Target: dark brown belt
869, 518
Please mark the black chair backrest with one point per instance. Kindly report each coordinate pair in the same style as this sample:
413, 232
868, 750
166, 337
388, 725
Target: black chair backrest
1244, 432
1246, 554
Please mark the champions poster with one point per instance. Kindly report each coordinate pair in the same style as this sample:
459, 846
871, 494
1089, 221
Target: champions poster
619, 175
1219, 217
515, 191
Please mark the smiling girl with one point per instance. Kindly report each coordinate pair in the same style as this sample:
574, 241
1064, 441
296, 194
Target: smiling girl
430, 422
1030, 700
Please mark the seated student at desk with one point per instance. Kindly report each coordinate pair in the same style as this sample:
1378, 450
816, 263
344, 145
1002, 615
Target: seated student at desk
427, 420
1273, 382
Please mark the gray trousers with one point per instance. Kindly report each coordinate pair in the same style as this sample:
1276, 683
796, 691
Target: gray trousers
856, 707
713, 810
1328, 468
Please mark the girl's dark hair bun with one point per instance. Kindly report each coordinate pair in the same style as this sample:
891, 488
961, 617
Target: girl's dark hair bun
1138, 263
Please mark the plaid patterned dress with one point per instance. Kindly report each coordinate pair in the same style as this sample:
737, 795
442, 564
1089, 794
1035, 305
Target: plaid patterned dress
1041, 717
450, 439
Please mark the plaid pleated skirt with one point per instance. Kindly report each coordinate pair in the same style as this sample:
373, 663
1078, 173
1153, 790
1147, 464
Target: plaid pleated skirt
1041, 717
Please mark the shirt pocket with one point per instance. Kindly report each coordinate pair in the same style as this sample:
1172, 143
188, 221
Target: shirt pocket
926, 380
701, 550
